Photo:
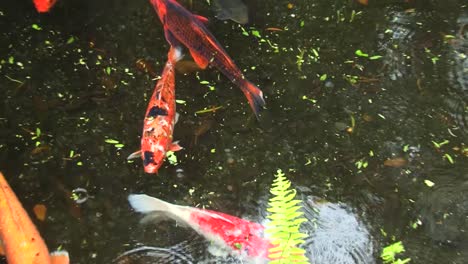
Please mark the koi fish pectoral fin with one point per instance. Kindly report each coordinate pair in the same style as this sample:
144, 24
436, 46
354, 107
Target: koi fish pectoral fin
59, 257
202, 19
134, 155
175, 146
199, 59
155, 217
171, 39
177, 115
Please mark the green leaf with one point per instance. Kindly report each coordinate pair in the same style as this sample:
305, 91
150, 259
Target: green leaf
361, 54
111, 141
71, 40
449, 158
171, 157
36, 27
323, 77
256, 33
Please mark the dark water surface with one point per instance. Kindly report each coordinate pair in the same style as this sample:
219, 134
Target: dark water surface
371, 134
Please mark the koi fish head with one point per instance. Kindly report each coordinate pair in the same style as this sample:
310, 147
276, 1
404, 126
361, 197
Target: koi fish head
153, 153
44, 5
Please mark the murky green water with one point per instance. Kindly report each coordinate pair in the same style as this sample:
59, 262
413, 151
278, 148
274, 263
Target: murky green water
333, 119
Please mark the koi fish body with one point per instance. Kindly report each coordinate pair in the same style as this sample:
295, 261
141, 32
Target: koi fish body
160, 117
21, 240
237, 234
183, 27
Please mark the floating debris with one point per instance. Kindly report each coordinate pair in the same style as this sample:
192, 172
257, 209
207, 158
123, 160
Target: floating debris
80, 195
40, 211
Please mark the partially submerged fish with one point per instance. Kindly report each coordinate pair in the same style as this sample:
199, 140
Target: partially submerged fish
43, 6
21, 240
235, 10
160, 118
183, 27
228, 231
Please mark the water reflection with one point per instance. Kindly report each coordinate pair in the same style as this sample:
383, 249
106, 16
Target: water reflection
457, 102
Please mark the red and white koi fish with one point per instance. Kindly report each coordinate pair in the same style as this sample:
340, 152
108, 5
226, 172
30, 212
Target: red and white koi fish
20, 239
181, 26
239, 235
160, 118
43, 6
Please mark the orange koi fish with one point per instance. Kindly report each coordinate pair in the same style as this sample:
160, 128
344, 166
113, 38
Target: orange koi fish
43, 6
160, 118
181, 26
22, 242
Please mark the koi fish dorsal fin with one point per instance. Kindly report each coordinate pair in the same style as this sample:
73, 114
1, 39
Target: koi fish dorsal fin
200, 60
59, 257
202, 19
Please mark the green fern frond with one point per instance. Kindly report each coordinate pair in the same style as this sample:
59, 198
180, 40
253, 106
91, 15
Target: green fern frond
286, 219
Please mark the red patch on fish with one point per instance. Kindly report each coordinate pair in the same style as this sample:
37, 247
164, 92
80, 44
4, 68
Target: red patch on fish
241, 235
43, 6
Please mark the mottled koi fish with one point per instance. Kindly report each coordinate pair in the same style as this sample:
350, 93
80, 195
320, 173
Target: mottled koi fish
43, 6
227, 231
160, 118
181, 26
21, 241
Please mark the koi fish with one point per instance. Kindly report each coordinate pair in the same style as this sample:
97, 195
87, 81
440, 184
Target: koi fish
237, 234
43, 6
160, 118
181, 26
21, 240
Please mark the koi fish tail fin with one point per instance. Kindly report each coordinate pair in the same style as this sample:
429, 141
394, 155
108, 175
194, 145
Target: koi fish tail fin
254, 96
143, 203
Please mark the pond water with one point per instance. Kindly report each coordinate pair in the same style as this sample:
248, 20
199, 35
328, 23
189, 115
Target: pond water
366, 108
